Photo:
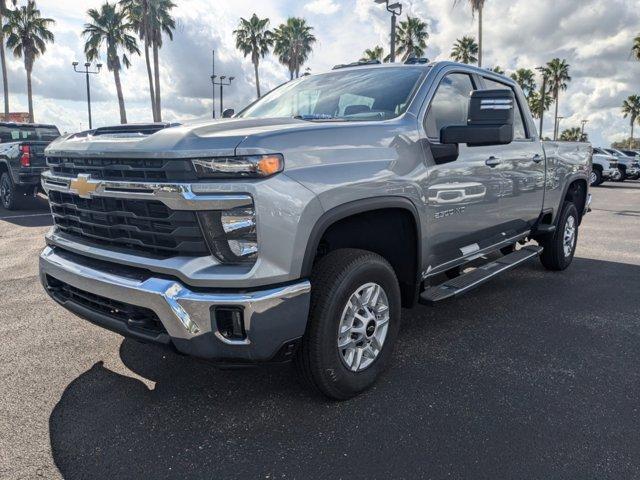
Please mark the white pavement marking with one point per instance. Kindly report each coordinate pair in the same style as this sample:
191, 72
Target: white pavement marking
25, 216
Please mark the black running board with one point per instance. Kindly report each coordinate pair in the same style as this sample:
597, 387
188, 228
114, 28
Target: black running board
477, 277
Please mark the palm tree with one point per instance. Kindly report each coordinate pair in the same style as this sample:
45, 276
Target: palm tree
557, 73
293, 44
635, 50
464, 50
411, 38
161, 22
573, 134
139, 16
631, 109
526, 78
534, 100
497, 69
375, 53
110, 28
476, 6
27, 36
4, 12
254, 38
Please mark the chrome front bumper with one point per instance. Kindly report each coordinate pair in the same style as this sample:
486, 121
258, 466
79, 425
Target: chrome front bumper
273, 317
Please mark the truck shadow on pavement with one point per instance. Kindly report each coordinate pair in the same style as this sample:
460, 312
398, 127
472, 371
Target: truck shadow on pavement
34, 212
492, 385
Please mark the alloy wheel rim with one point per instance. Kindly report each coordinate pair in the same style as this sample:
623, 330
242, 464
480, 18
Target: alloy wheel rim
363, 327
569, 237
593, 178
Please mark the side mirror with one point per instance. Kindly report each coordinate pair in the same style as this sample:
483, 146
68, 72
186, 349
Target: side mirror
490, 120
228, 113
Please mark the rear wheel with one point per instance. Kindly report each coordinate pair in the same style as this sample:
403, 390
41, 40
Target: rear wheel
560, 248
623, 174
8, 192
353, 323
596, 177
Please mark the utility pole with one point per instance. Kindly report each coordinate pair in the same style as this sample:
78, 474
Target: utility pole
88, 72
395, 10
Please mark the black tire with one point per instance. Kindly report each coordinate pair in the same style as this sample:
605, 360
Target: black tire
553, 256
334, 279
596, 177
623, 174
9, 194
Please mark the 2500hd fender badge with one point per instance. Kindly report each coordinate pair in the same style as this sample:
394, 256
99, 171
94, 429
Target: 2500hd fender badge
450, 212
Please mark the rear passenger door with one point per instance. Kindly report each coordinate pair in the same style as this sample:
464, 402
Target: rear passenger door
523, 167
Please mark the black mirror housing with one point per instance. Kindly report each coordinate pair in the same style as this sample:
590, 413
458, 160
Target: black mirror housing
490, 122
228, 113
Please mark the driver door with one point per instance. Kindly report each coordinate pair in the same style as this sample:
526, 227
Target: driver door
463, 197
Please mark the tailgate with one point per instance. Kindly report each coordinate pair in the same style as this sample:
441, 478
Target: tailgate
36, 150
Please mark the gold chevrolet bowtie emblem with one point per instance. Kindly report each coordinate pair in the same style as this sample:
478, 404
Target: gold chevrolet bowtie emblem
84, 186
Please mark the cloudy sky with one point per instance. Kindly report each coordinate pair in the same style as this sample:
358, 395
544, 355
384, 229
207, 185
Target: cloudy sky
593, 35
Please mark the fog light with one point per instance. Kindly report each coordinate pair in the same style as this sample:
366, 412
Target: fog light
231, 234
229, 322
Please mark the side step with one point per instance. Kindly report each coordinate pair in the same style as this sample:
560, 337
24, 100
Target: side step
480, 275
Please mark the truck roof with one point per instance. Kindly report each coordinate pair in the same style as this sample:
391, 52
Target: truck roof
435, 65
23, 124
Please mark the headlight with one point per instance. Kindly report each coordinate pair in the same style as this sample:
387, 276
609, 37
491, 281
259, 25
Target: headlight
250, 166
231, 234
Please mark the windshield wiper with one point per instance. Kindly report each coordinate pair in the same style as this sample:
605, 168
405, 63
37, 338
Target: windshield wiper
315, 116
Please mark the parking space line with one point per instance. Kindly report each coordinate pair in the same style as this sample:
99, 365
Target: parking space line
26, 216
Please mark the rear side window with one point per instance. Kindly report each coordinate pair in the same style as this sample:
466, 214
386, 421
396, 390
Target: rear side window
16, 133
519, 132
450, 104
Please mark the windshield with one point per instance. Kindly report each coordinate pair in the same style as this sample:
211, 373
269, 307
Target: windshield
367, 94
14, 133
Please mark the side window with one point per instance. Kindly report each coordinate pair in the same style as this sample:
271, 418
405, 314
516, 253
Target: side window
450, 104
519, 132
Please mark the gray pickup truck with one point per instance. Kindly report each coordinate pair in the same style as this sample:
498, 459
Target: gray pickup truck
297, 229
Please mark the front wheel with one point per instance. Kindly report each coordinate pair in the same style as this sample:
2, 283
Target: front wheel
559, 249
596, 177
623, 174
353, 323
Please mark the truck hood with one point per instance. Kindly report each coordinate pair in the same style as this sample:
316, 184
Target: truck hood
210, 137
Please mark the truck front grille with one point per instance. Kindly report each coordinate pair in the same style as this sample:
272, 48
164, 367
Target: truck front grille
119, 169
136, 318
132, 226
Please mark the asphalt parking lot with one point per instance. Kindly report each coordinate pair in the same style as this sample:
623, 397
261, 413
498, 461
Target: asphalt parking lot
534, 375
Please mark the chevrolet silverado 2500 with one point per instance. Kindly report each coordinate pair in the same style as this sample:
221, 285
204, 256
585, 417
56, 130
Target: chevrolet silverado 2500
300, 227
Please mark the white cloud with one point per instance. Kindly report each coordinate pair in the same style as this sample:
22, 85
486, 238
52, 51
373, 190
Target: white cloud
593, 35
322, 7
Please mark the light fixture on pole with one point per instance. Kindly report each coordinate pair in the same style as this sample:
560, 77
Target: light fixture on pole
583, 122
88, 72
222, 84
395, 9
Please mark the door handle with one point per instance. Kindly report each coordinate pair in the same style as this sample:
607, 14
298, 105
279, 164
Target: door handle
537, 158
492, 162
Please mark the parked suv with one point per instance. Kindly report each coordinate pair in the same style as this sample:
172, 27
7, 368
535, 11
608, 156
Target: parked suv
627, 164
22, 159
300, 227
605, 167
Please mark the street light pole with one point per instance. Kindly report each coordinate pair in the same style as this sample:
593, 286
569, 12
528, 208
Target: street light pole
213, 86
222, 84
396, 10
88, 72
584, 122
